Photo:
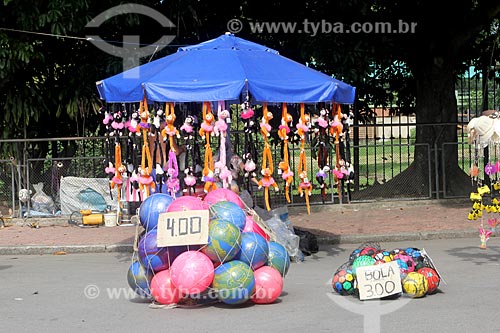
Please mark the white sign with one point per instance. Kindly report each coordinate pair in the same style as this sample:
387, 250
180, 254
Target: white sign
183, 228
378, 281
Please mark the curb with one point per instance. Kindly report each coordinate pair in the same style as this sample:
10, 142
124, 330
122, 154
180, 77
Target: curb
428, 235
64, 249
335, 240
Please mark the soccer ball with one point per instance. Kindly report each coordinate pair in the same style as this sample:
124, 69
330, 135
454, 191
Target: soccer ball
384, 256
432, 277
415, 285
407, 260
344, 282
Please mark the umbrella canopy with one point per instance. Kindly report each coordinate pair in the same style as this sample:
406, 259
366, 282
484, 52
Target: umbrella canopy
221, 69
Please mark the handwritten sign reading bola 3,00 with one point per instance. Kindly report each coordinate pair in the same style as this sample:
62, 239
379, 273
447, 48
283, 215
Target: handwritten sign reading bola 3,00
183, 228
378, 280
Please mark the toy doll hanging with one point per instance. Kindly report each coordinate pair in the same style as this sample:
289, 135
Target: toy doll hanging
250, 151
305, 186
284, 165
206, 131
146, 182
321, 130
173, 183
220, 130
267, 179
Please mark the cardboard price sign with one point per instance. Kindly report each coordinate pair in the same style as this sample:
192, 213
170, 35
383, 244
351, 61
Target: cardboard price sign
183, 228
378, 281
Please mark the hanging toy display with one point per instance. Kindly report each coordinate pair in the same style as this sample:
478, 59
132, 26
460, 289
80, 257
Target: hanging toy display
284, 165
267, 179
187, 133
169, 132
220, 130
109, 168
250, 152
336, 132
321, 129
157, 120
206, 131
305, 186
130, 156
146, 182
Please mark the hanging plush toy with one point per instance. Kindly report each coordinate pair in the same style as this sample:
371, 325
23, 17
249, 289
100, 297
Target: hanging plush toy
284, 166
250, 152
146, 182
173, 184
220, 129
187, 132
265, 127
206, 129
120, 169
322, 175
287, 175
305, 186
321, 129
267, 159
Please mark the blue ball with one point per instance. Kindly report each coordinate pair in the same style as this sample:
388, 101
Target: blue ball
156, 258
224, 239
254, 250
278, 258
234, 282
139, 279
151, 208
227, 210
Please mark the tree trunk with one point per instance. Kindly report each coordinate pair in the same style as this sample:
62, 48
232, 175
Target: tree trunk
436, 153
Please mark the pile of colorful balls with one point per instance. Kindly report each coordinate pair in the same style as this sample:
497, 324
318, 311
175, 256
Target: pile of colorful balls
419, 277
239, 263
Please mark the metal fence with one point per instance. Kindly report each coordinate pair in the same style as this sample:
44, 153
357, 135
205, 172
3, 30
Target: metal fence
377, 160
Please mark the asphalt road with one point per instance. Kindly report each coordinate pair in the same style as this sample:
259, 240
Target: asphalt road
89, 292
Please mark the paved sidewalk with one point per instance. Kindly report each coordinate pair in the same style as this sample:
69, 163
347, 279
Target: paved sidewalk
333, 224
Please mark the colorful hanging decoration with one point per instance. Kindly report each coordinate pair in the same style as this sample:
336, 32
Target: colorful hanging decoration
131, 126
169, 131
206, 130
220, 130
336, 132
284, 165
305, 186
146, 182
321, 130
250, 152
267, 179
187, 132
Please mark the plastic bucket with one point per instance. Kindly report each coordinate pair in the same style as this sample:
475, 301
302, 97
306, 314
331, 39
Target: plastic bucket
110, 219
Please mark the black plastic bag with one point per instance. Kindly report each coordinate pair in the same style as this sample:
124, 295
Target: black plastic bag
308, 243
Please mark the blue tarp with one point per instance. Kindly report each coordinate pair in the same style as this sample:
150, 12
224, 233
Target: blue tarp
221, 69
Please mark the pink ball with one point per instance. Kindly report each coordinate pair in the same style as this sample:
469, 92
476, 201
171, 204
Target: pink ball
162, 289
268, 285
187, 203
251, 226
223, 194
192, 272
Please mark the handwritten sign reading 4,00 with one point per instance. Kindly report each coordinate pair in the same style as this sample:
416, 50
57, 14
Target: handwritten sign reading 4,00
378, 280
183, 228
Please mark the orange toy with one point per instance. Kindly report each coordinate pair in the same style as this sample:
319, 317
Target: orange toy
145, 178
120, 169
305, 186
287, 175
